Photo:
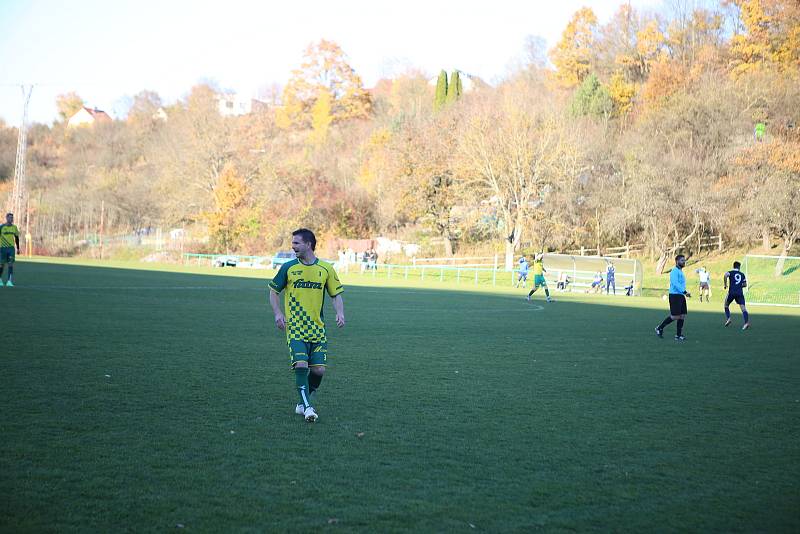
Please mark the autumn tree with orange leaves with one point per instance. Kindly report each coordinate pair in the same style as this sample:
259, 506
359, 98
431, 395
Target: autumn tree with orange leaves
324, 73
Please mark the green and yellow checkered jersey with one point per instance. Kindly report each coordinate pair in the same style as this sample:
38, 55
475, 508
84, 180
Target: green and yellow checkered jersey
538, 267
7, 234
305, 287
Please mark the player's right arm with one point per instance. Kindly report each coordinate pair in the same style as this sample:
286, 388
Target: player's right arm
275, 302
276, 285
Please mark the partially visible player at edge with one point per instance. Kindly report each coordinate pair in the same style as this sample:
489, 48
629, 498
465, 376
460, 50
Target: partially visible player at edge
677, 299
306, 280
538, 277
9, 241
737, 282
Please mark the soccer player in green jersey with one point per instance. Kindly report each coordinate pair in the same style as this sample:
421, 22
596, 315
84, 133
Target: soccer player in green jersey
306, 280
9, 242
538, 277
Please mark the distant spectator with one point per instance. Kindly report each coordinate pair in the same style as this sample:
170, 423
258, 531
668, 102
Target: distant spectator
759, 131
563, 281
629, 290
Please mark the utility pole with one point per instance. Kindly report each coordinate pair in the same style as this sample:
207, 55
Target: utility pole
19, 194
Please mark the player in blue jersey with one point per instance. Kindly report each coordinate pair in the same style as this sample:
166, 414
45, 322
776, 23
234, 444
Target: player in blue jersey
735, 282
677, 298
611, 278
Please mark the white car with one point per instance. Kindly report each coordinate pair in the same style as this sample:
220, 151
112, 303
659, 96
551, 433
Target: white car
225, 261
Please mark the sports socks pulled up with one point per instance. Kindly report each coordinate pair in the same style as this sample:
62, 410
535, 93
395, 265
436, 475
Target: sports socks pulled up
665, 322
314, 380
301, 380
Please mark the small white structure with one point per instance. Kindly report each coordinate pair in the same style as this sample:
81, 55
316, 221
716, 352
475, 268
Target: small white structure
233, 104
87, 117
160, 115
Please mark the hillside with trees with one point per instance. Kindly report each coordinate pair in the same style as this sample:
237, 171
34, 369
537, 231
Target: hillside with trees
655, 128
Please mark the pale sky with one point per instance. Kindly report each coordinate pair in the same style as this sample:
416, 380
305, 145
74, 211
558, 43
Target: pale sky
109, 50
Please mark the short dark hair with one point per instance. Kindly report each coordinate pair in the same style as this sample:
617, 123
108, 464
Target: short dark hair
736, 265
307, 236
679, 256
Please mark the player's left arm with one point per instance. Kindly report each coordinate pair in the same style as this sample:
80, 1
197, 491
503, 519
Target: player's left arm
334, 288
725, 281
16, 239
338, 305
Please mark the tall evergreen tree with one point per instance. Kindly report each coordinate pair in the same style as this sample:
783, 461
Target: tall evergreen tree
454, 89
441, 91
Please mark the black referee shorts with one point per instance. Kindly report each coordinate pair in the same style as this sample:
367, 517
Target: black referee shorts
677, 304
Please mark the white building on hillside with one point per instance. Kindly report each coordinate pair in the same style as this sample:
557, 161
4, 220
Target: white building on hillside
87, 117
233, 104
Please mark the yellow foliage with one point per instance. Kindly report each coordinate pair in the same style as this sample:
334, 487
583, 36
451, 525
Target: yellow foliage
375, 159
324, 68
649, 41
321, 117
622, 94
230, 191
573, 53
772, 35
225, 222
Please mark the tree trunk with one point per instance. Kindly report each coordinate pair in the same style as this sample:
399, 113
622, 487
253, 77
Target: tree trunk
448, 246
765, 238
597, 221
509, 255
662, 262
788, 241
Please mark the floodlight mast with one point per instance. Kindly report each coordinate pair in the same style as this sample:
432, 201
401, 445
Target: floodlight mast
19, 194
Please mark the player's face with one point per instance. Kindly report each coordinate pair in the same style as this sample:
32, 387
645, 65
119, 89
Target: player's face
300, 247
681, 262
10, 218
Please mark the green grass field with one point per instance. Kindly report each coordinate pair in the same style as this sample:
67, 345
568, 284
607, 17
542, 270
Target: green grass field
145, 400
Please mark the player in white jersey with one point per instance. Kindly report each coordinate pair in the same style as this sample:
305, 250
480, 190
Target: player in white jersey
705, 283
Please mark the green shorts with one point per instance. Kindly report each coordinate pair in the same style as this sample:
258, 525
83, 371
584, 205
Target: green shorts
539, 280
316, 354
7, 254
